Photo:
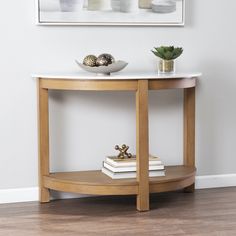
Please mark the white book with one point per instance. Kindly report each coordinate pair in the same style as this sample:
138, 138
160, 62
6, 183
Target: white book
116, 162
129, 168
129, 175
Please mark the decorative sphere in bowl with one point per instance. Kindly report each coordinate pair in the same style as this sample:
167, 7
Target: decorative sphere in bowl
105, 59
90, 60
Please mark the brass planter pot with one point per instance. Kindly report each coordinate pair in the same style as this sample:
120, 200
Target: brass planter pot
166, 66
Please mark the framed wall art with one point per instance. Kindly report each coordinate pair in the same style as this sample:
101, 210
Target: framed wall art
110, 12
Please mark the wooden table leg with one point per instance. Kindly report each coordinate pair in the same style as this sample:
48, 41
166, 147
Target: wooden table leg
189, 131
43, 124
142, 143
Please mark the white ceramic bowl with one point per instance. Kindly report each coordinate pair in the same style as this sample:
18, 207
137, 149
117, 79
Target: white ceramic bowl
104, 70
163, 6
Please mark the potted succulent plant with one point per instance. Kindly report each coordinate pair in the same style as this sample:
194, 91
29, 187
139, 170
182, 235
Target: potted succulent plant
167, 55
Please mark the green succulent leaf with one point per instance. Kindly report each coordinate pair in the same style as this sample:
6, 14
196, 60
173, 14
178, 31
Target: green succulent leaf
168, 55
167, 52
156, 53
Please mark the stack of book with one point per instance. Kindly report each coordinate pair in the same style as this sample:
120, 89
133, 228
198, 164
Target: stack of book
126, 168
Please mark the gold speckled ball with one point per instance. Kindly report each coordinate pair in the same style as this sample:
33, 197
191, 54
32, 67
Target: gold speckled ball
105, 59
90, 60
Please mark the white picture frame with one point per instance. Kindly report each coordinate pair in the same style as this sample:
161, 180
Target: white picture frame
50, 12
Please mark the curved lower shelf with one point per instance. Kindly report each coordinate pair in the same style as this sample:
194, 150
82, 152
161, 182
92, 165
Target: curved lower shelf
95, 182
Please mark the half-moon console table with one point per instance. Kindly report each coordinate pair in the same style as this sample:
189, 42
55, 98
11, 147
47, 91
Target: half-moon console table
95, 182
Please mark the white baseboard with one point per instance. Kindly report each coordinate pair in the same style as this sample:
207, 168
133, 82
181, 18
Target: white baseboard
19, 195
215, 181
31, 194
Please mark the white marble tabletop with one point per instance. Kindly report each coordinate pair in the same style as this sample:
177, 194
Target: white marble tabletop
116, 76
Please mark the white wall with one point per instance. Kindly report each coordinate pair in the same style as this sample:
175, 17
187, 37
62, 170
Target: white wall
85, 126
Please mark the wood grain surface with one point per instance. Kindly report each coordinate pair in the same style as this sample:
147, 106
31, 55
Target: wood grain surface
43, 132
142, 186
202, 213
95, 182
189, 131
142, 145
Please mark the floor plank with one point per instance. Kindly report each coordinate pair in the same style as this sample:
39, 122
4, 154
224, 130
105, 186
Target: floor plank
206, 212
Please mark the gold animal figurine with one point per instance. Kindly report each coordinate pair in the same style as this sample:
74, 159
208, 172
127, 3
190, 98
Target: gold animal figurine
123, 151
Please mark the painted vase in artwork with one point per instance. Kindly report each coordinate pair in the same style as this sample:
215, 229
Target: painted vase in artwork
49, 5
85, 3
129, 5
145, 4
71, 5
99, 5
115, 5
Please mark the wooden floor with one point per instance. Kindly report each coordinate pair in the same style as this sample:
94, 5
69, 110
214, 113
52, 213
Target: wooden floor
206, 212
